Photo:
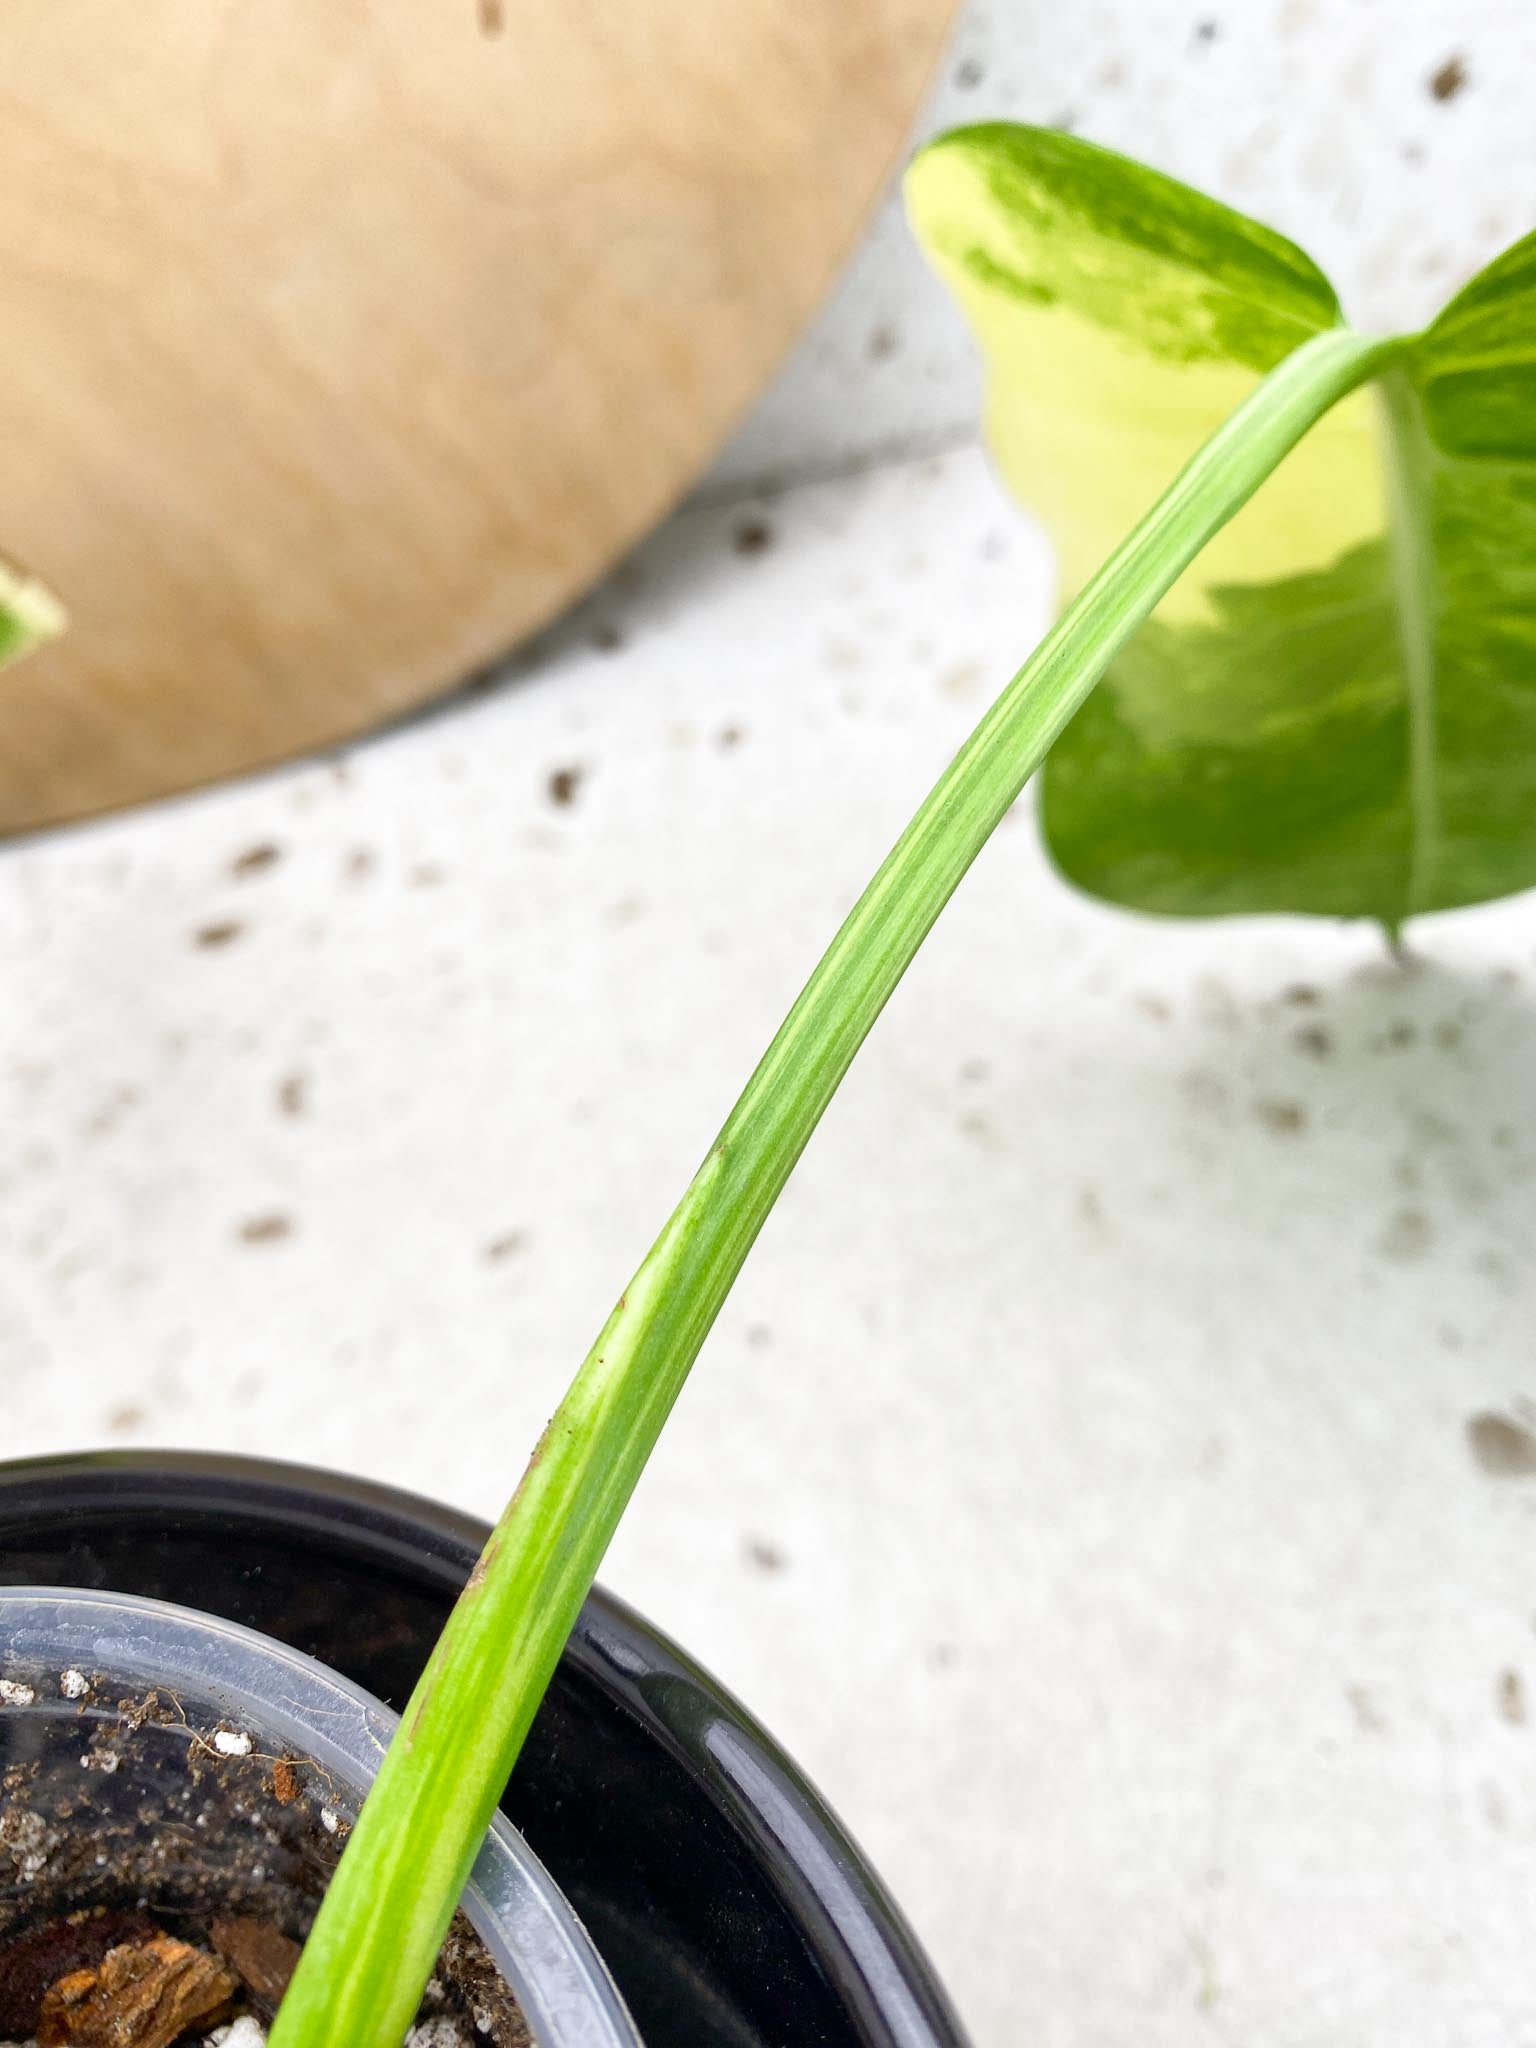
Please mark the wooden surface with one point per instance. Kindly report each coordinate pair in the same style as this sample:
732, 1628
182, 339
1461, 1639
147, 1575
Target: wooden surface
340, 346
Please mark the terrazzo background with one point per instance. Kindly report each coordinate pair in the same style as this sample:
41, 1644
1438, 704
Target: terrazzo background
1115, 1476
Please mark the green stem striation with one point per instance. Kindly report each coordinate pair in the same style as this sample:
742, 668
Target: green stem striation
383, 1919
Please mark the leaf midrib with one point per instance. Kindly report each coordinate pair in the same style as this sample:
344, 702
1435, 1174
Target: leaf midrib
1409, 461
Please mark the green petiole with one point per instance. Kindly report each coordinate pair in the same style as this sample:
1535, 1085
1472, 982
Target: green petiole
382, 1922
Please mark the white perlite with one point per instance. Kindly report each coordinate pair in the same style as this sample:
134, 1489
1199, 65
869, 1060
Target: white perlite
245, 2033
248, 2033
74, 1684
14, 1694
232, 1742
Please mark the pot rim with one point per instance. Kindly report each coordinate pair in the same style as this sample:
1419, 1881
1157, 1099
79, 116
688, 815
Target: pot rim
843, 1919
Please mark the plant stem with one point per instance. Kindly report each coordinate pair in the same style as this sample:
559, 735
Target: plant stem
383, 1919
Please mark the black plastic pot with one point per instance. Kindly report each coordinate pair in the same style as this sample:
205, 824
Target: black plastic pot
728, 1903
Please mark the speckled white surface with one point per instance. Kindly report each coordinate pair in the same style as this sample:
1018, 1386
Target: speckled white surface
1112, 1476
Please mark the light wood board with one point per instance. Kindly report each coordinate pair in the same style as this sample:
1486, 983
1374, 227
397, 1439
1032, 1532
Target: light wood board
341, 345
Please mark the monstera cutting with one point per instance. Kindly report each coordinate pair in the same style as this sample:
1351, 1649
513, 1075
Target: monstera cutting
1316, 643
1334, 709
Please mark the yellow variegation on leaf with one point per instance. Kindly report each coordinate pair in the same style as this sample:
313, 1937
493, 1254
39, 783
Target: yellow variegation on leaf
1334, 708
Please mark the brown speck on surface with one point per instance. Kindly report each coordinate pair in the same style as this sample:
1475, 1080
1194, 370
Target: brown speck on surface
492, 17
969, 73
110, 1113
762, 1555
1207, 31
882, 344
607, 638
426, 875
1155, 1007
1315, 1040
1447, 1035
963, 681
127, 1417
752, 537
1302, 995
1502, 1448
1494, 1264
1512, 1700
255, 860
270, 1228
1285, 1118
1367, 1715
360, 864
728, 736
293, 1095
1407, 1173
504, 1247
563, 785
1406, 1236
223, 932
1400, 1034
1445, 83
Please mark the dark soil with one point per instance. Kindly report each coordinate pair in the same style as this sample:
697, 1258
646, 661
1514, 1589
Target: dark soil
158, 1875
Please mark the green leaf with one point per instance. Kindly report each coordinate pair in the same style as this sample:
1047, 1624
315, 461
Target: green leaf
1466, 425
1331, 711
29, 614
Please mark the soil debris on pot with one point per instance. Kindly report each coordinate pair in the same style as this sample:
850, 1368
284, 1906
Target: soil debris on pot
260, 1955
117, 1979
142, 1994
159, 1872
